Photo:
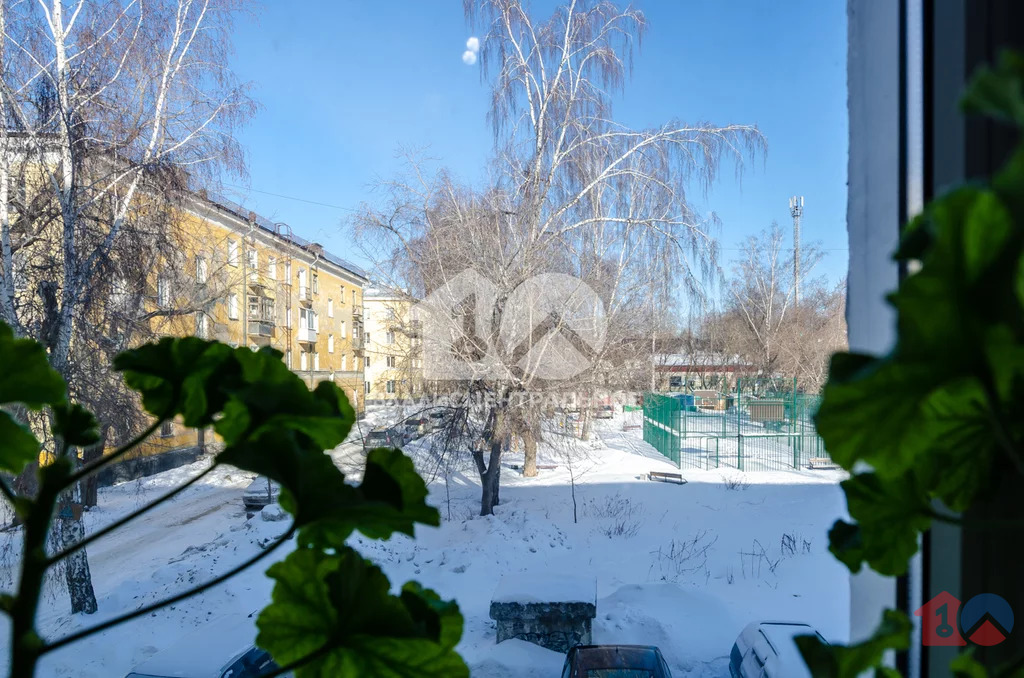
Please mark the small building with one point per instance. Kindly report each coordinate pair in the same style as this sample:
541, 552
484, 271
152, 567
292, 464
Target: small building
703, 370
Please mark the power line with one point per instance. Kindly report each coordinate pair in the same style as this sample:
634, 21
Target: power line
292, 197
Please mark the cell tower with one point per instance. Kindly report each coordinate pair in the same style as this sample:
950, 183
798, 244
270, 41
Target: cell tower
796, 208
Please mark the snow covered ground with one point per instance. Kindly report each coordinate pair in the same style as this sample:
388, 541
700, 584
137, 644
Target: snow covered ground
682, 567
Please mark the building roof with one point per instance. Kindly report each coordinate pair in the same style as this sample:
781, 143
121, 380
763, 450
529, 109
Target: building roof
270, 227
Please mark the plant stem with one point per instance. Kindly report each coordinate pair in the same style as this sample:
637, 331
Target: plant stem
128, 616
115, 455
126, 519
26, 646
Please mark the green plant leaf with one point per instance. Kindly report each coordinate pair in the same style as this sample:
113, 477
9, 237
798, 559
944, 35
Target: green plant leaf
185, 377
890, 513
395, 495
27, 377
996, 92
18, 446
339, 607
75, 424
868, 409
838, 661
987, 232
966, 666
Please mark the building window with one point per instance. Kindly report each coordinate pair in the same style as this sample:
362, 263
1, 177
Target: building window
302, 283
233, 306
167, 429
330, 307
253, 258
201, 325
316, 284
366, 385
391, 361
367, 361
366, 336
390, 385
288, 272
316, 362
390, 338
344, 362
341, 293
342, 329
233, 252
272, 267
200, 270
163, 292
303, 360
330, 343
353, 297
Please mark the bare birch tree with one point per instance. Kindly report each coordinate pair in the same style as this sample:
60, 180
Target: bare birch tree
574, 193
110, 105
763, 323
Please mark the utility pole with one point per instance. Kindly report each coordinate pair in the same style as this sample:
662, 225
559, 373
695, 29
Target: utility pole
796, 208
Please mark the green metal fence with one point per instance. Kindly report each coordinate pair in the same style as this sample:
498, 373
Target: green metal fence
753, 428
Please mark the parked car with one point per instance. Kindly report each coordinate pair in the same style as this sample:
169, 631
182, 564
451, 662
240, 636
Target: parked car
767, 649
222, 648
415, 427
384, 437
437, 418
260, 493
615, 661
605, 412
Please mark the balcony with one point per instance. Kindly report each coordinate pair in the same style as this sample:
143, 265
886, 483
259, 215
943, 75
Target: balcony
357, 313
261, 329
305, 294
261, 283
307, 335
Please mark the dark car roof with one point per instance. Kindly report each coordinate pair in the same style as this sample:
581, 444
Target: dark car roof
617, 656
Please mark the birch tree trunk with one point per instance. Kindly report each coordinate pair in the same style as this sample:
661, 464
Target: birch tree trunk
529, 453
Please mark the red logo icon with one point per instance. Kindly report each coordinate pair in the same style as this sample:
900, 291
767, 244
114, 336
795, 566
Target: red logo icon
939, 621
986, 619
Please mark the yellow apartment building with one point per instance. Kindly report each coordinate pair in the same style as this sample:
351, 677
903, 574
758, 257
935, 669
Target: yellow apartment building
246, 281
393, 361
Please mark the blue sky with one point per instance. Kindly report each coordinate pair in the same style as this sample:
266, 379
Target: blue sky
344, 84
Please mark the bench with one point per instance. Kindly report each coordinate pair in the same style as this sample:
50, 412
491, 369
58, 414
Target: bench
664, 477
822, 463
540, 467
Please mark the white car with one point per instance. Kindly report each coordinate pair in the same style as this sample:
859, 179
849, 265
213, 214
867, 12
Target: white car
261, 492
767, 650
221, 649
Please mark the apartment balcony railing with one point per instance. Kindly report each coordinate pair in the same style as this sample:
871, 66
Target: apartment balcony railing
305, 293
307, 335
261, 328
